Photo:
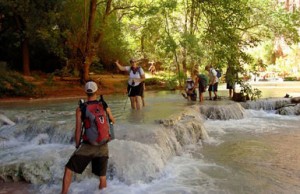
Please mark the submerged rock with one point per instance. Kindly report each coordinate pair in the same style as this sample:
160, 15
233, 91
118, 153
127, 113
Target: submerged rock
6, 121
289, 110
295, 100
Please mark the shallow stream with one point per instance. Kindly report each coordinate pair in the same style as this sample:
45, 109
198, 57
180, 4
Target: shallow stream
166, 148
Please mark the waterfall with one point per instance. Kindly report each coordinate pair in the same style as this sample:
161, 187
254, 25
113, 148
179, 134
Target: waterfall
143, 157
289, 110
38, 146
27, 126
267, 104
222, 112
138, 154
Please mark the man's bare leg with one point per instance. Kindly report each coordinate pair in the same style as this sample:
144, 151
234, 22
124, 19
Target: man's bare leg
66, 181
102, 183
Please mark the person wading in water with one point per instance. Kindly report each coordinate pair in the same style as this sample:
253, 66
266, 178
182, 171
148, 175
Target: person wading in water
91, 138
135, 87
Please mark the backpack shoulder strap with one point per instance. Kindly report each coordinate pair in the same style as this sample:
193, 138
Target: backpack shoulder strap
138, 70
102, 101
83, 110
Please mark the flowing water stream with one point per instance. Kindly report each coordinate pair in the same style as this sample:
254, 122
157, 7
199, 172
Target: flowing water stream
169, 147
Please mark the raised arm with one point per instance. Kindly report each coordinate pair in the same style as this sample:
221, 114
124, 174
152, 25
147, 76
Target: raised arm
120, 66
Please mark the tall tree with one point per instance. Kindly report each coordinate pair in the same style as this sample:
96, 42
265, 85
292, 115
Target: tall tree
85, 39
20, 26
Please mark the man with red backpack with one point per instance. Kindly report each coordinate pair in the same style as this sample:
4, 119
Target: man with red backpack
93, 116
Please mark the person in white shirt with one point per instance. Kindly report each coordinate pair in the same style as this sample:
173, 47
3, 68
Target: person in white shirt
135, 86
213, 82
190, 92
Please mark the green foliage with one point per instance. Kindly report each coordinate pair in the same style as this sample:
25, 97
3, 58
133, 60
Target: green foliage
291, 79
13, 84
248, 92
35, 21
178, 33
50, 79
172, 83
172, 79
153, 81
96, 67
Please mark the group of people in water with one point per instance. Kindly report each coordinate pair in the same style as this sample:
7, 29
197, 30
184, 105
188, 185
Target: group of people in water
202, 82
210, 82
94, 119
136, 84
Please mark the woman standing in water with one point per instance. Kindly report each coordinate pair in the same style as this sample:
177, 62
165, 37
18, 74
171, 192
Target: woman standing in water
135, 85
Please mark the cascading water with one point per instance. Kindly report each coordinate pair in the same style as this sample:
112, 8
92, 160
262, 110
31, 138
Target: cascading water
170, 146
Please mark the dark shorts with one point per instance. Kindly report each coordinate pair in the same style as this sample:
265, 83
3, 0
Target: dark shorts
230, 86
98, 155
201, 88
135, 90
213, 88
192, 94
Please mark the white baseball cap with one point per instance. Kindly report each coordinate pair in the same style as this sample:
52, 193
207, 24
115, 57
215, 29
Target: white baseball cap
90, 87
189, 79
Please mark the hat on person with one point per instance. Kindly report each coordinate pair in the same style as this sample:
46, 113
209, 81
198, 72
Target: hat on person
90, 87
189, 79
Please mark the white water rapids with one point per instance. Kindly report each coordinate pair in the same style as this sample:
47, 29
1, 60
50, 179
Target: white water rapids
169, 147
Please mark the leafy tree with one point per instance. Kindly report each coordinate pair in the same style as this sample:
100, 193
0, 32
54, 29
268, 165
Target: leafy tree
184, 35
25, 23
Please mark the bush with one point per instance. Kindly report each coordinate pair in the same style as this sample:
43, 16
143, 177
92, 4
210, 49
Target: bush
12, 84
153, 81
290, 79
248, 93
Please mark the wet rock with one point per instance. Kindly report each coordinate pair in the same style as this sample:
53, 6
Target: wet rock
5, 120
222, 112
162, 142
289, 110
295, 100
267, 104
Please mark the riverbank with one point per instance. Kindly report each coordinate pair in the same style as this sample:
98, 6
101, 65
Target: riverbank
68, 87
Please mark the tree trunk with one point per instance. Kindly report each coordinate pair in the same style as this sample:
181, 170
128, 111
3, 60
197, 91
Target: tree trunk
92, 40
88, 55
25, 57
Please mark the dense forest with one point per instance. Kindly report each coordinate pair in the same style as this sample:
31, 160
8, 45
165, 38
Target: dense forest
75, 37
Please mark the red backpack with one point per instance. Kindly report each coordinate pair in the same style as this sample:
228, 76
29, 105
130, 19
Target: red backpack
95, 123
